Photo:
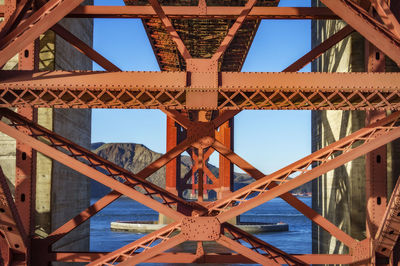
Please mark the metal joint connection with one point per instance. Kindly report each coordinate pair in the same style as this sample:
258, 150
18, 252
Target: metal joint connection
201, 228
361, 251
203, 132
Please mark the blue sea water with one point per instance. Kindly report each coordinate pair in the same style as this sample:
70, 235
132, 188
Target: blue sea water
297, 240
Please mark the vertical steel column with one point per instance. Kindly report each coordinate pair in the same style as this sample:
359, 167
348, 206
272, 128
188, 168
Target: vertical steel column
25, 175
200, 175
225, 136
375, 161
25, 180
173, 168
395, 259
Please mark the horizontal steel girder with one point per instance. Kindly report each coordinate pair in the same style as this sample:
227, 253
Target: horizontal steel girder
237, 91
186, 12
172, 257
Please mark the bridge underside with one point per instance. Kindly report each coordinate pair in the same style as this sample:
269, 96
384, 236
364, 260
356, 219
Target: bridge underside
200, 47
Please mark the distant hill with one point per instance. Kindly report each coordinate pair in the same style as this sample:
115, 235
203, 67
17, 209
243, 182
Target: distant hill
134, 157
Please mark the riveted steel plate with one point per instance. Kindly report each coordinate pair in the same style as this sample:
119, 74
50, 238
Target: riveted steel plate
201, 228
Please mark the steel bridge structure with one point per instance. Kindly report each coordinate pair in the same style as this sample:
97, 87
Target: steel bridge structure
200, 47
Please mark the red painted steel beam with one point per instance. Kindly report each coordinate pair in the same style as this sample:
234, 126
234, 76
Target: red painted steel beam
144, 246
81, 217
179, 118
33, 141
11, 226
170, 29
84, 48
289, 198
173, 168
367, 26
110, 197
58, 141
200, 174
29, 30
225, 136
190, 12
322, 157
389, 229
81, 167
388, 18
148, 254
260, 246
10, 22
223, 117
25, 175
375, 161
238, 91
177, 257
320, 49
377, 138
233, 30
250, 254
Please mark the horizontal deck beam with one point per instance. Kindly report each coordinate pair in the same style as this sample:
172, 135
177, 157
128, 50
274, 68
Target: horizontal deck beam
236, 91
231, 258
188, 12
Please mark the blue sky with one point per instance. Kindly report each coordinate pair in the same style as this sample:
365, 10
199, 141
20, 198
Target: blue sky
267, 139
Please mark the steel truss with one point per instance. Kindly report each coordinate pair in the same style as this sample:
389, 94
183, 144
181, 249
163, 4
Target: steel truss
201, 87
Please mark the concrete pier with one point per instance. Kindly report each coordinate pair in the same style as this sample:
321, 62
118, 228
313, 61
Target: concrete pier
61, 192
339, 195
148, 227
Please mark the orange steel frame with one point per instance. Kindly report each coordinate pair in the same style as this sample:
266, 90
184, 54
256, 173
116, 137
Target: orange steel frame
197, 102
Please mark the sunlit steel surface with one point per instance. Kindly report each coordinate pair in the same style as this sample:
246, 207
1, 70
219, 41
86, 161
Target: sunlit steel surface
200, 46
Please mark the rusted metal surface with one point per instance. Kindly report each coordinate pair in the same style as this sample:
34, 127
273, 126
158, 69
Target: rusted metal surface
238, 91
233, 30
195, 36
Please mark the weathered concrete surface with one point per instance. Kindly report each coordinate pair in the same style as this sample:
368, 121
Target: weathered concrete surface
148, 227
339, 195
61, 192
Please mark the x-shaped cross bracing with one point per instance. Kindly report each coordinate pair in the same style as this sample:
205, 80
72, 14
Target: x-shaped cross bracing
265, 188
189, 216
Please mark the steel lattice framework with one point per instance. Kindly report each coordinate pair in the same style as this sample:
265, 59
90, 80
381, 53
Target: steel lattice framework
200, 90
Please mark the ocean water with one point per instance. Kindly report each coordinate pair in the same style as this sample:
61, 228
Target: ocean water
297, 240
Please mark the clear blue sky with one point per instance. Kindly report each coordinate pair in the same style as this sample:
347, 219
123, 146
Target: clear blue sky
267, 139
